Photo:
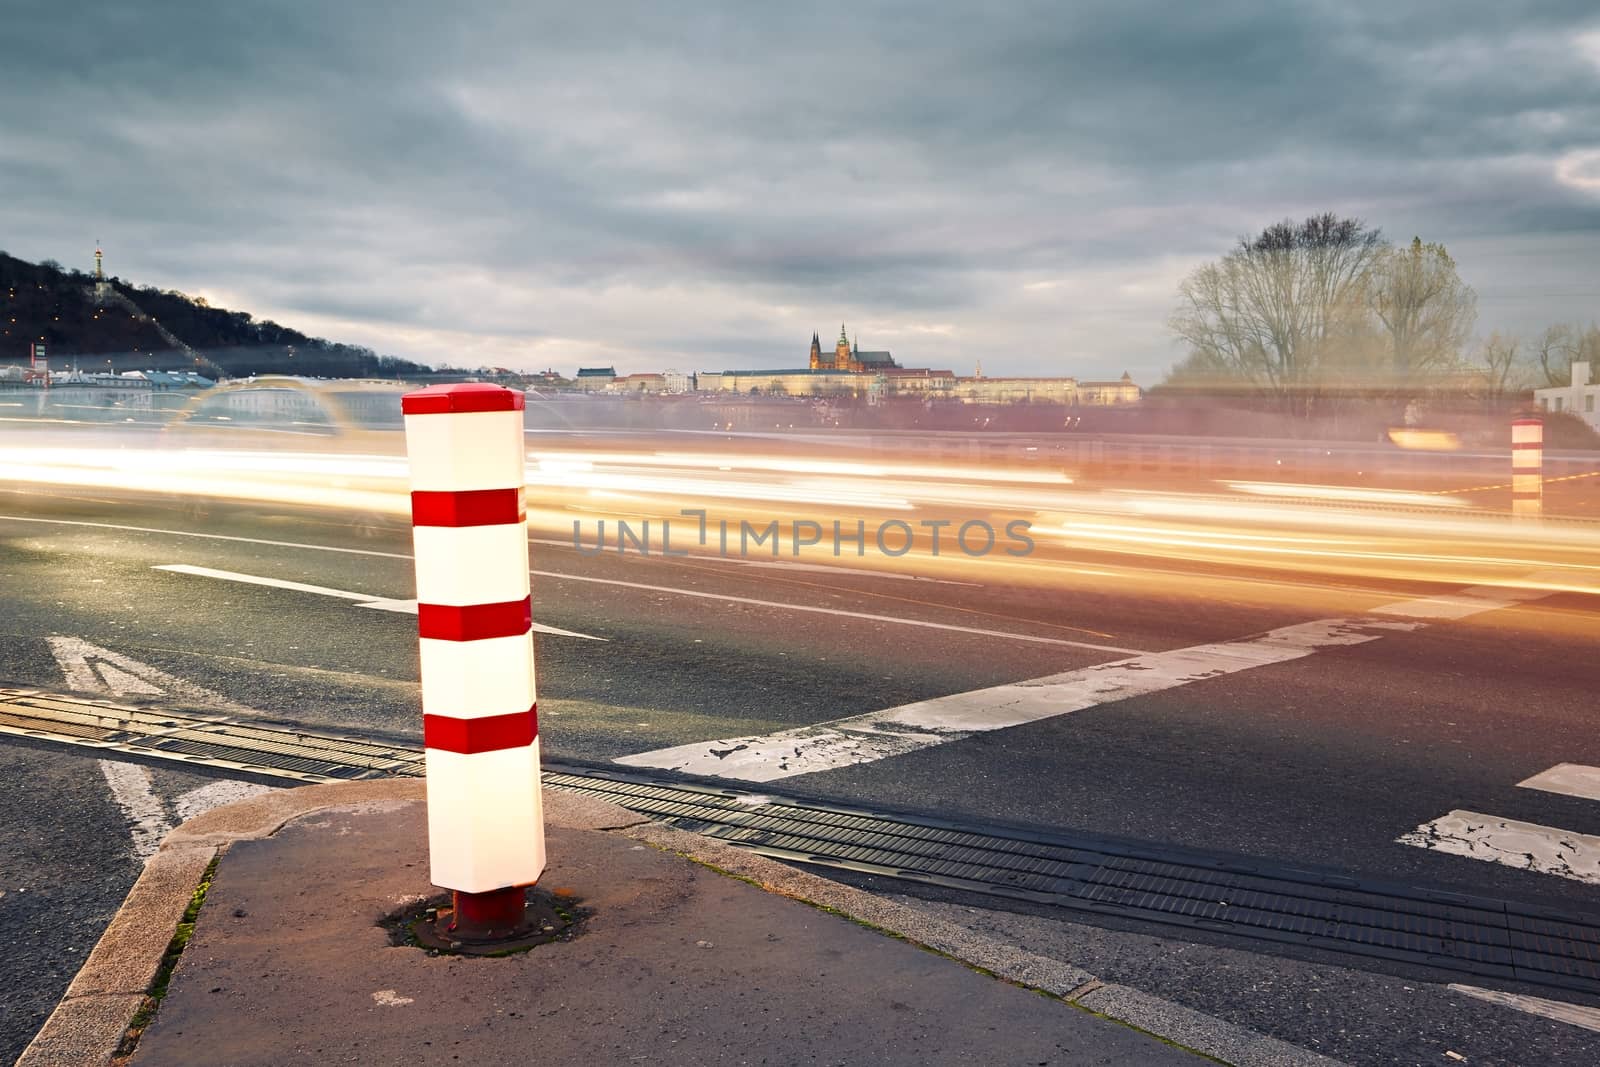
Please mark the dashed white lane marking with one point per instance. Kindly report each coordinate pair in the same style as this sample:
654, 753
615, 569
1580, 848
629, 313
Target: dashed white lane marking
205, 536
120, 675
795, 565
364, 600
1572, 1014
1573, 779
376, 601
828, 568
897, 731
1524, 845
839, 613
147, 816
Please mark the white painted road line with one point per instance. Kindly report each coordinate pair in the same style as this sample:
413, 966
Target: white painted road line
841, 613
214, 795
1573, 779
378, 602
896, 731
1524, 845
1464, 603
363, 600
92, 669
1572, 1014
146, 815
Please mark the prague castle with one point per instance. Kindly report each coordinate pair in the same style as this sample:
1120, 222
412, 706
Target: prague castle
846, 371
848, 357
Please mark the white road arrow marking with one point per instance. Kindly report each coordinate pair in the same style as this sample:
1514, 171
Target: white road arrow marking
92, 669
120, 675
120, 681
363, 600
214, 795
147, 817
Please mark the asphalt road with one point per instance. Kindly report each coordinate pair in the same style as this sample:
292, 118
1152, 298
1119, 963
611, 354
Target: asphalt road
1325, 759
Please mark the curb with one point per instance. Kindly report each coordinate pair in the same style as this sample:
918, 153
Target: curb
89, 1023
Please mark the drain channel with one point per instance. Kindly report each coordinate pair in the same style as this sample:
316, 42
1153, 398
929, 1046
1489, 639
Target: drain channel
1454, 932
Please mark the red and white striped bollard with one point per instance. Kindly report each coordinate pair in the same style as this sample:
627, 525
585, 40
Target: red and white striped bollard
474, 619
1527, 468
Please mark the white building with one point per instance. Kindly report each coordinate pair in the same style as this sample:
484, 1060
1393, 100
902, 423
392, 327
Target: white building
1582, 397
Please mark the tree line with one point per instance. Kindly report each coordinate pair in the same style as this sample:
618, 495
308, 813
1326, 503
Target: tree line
1306, 316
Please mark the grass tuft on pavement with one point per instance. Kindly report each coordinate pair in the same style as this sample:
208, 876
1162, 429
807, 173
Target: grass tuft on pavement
169, 963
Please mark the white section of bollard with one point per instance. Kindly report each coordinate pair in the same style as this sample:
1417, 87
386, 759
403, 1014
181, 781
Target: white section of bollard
468, 451
474, 619
479, 807
471, 564
468, 679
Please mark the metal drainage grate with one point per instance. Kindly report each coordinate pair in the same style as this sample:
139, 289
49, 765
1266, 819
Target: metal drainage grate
1451, 931
261, 750
1231, 895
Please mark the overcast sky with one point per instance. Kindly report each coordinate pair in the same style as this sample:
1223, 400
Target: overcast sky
700, 185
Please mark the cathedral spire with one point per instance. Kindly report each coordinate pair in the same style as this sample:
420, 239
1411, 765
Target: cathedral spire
842, 338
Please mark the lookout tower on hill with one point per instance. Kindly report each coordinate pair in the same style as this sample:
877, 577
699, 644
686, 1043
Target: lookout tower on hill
102, 288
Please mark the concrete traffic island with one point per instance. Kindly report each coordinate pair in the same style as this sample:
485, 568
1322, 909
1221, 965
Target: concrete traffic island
688, 951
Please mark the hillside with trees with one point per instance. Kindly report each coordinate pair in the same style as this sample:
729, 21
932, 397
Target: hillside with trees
146, 328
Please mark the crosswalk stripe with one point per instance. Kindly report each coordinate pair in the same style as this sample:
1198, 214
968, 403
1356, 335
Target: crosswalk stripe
1572, 1014
896, 731
1524, 845
899, 730
1573, 779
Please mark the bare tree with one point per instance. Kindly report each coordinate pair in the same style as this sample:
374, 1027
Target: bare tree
1562, 345
1499, 360
1426, 310
1283, 309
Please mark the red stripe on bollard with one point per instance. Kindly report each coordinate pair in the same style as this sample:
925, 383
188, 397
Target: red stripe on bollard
488, 734
472, 507
474, 622
461, 399
1534, 445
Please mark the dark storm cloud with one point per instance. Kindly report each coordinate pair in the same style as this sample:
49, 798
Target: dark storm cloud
669, 180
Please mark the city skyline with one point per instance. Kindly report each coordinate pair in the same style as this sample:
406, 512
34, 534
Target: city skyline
649, 188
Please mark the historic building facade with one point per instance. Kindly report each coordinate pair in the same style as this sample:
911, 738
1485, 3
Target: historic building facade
848, 357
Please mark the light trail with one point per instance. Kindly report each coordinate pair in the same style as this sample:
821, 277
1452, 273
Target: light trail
1273, 528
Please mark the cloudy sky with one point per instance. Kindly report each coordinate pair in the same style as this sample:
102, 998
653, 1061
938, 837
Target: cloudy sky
702, 185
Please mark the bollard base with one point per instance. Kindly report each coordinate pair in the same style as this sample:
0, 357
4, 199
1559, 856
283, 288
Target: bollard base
500, 923
492, 916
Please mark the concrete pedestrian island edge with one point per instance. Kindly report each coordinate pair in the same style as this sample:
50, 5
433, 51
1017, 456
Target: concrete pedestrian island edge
695, 952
